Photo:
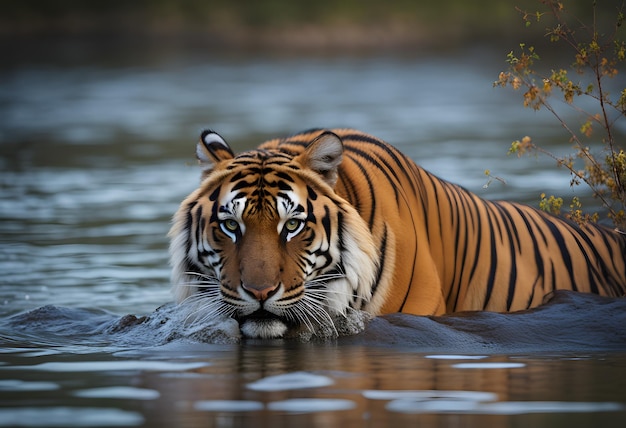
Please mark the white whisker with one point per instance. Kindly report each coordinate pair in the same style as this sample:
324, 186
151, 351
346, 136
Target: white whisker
317, 311
322, 279
327, 291
329, 295
298, 314
206, 305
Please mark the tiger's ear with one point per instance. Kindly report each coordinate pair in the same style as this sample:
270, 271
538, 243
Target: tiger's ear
212, 149
324, 155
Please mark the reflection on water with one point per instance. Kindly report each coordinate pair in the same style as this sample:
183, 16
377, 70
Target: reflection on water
95, 159
563, 363
311, 385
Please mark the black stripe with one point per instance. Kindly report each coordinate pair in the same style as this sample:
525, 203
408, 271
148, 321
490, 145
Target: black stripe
200, 224
455, 218
326, 224
312, 195
601, 270
242, 185
414, 258
612, 286
511, 231
434, 198
284, 176
376, 162
591, 269
479, 237
213, 196
382, 259
243, 174
370, 185
565, 255
553, 273
539, 262
461, 211
491, 220
310, 212
529, 302
189, 222
388, 149
351, 195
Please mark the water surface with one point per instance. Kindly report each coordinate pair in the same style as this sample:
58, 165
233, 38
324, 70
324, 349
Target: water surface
94, 159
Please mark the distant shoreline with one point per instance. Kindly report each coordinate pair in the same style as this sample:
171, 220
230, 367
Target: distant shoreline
76, 46
78, 31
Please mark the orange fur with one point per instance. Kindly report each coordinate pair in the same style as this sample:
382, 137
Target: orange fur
325, 221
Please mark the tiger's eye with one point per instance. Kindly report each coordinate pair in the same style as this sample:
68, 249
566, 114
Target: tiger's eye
231, 225
292, 224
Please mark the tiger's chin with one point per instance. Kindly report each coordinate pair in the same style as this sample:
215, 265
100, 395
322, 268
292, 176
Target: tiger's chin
263, 329
263, 325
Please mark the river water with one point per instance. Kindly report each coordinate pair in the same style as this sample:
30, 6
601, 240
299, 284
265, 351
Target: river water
94, 159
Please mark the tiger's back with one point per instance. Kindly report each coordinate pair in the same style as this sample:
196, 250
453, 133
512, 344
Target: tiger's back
443, 249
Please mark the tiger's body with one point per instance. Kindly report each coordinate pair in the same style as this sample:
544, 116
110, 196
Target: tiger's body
308, 227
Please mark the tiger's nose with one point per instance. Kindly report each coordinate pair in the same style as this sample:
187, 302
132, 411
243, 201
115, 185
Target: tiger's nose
260, 292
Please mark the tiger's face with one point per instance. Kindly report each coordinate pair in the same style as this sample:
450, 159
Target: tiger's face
265, 240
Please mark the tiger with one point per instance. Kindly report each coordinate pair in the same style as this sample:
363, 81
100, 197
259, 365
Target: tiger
306, 228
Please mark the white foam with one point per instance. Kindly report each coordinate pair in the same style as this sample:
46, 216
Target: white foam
488, 365
288, 381
119, 392
311, 405
521, 407
20, 385
104, 366
434, 406
499, 408
456, 357
228, 406
429, 395
69, 416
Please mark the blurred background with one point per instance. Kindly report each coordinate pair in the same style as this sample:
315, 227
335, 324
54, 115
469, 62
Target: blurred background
101, 104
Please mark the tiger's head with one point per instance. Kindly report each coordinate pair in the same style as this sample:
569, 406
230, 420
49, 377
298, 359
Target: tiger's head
267, 241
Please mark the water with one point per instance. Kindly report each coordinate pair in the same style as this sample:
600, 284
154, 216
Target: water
94, 159
549, 367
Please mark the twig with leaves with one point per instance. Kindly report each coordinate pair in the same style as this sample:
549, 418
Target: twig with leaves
597, 53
